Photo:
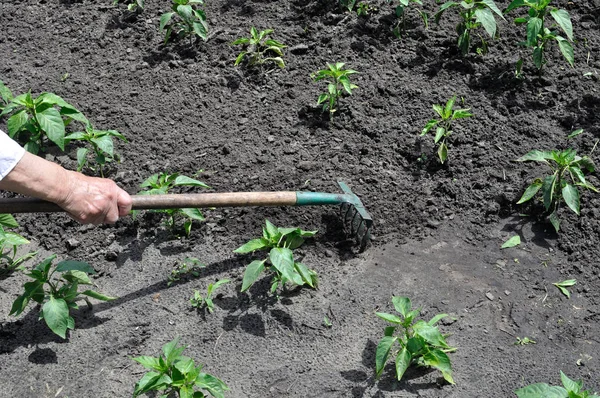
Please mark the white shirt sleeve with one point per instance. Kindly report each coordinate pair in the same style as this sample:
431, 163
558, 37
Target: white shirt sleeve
10, 154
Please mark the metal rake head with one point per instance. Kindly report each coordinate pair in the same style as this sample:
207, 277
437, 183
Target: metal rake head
355, 217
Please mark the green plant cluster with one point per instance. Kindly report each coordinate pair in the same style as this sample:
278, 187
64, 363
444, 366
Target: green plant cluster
9, 244
569, 389
280, 242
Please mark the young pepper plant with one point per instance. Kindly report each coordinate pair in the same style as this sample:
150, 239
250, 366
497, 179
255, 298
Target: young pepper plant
132, 5
444, 125
420, 342
570, 389
539, 35
338, 80
199, 301
9, 244
280, 242
174, 373
163, 183
6, 95
259, 47
562, 185
190, 20
102, 145
401, 11
38, 118
57, 296
474, 14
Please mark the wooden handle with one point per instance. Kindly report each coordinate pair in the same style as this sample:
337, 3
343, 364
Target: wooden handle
172, 201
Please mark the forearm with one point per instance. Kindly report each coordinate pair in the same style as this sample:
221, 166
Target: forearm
37, 177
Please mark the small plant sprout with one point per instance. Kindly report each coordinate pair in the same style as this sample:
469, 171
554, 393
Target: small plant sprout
401, 10
102, 145
259, 49
9, 244
189, 266
524, 341
562, 286
163, 183
132, 5
539, 35
420, 342
562, 185
199, 301
6, 95
190, 20
474, 14
511, 242
570, 389
443, 125
337, 80
57, 296
280, 242
41, 118
176, 374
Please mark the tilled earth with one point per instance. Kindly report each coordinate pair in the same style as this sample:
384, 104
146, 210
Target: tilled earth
438, 229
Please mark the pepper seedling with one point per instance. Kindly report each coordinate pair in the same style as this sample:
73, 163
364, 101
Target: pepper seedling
280, 242
570, 389
444, 125
163, 183
174, 373
199, 301
190, 20
337, 82
420, 342
57, 296
258, 48
102, 145
9, 244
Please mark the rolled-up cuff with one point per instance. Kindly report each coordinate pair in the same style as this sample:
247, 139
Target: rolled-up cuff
10, 154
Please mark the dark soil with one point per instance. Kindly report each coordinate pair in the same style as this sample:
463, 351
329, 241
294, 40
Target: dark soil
438, 229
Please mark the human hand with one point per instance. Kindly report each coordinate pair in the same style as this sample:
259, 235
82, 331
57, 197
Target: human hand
92, 200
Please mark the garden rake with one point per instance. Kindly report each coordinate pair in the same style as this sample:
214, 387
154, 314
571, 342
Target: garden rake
357, 221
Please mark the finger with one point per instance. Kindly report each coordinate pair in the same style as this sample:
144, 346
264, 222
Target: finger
112, 215
123, 203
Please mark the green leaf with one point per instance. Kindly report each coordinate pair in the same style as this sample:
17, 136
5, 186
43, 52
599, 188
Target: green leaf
436, 318
52, 124
240, 58
448, 108
514, 4
571, 196
492, 6
251, 274
283, 260
165, 19
562, 286
563, 20
439, 360
534, 27
15, 123
105, 144
487, 20
402, 305
403, 360
541, 390
78, 277
272, 230
567, 50
575, 133
251, 246
461, 114
81, 158
7, 220
5, 93
530, 192
430, 124
390, 317
571, 385
190, 182
382, 353
150, 363
70, 265
13, 239
443, 152
537, 156
548, 188
538, 57
554, 220
56, 315
211, 384
440, 132
511, 242
305, 273
98, 296
431, 334
194, 214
